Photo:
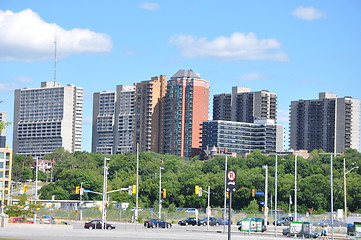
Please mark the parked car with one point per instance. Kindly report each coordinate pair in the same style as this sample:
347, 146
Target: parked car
283, 221
19, 220
47, 219
224, 221
97, 224
286, 232
212, 221
327, 222
188, 221
155, 222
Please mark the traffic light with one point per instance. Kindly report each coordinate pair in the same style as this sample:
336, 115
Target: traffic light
262, 209
106, 204
227, 194
200, 191
253, 192
25, 189
164, 193
134, 189
196, 189
77, 189
130, 190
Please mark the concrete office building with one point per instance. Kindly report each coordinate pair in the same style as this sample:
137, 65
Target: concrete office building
329, 123
244, 106
5, 176
113, 121
3, 116
185, 108
47, 118
241, 137
148, 109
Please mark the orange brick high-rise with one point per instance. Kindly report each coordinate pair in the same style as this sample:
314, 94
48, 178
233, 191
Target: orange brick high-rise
185, 108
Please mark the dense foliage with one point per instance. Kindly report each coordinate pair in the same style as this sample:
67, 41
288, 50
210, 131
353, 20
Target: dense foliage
181, 175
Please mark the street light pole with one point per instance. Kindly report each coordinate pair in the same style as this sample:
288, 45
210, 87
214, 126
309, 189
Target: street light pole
295, 217
276, 190
225, 194
105, 180
266, 194
344, 185
36, 185
160, 192
137, 189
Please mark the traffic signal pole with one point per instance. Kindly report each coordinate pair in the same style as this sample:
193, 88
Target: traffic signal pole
229, 215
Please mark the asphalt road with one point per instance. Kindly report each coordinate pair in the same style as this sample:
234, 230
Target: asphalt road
130, 231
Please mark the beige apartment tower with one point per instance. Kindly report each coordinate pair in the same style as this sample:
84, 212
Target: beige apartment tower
113, 121
47, 118
329, 123
148, 108
5, 176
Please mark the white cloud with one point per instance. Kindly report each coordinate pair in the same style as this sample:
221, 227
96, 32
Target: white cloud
26, 37
149, 6
252, 76
22, 79
7, 87
238, 46
14, 83
308, 13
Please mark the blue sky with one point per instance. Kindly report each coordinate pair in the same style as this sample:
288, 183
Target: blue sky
293, 48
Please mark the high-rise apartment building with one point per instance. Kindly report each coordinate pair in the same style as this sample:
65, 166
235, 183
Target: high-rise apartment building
3, 116
329, 123
113, 121
245, 106
148, 109
46, 118
185, 108
241, 137
5, 176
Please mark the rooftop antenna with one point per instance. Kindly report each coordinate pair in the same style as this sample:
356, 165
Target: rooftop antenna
54, 61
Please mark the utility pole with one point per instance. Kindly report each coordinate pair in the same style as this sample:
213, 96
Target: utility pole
266, 194
295, 217
137, 190
105, 180
344, 185
160, 192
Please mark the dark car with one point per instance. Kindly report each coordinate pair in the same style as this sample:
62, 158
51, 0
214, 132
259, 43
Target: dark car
328, 222
97, 224
283, 221
188, 221
287, 233
155, 222
212, 221
224, 221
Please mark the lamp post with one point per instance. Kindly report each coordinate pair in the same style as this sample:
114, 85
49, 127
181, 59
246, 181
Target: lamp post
36, 185
81, 201
105, 180
266, 194
137, 191
160, 192
344, 184
276, 190
331, 186
295, 217
225, 193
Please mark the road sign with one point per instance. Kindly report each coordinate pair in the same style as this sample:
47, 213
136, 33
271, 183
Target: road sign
260, 193
261, 203
86, 190
231, 180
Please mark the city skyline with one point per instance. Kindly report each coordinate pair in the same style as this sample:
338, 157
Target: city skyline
294, 49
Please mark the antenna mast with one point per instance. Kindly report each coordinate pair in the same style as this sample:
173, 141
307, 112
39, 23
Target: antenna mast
54, 61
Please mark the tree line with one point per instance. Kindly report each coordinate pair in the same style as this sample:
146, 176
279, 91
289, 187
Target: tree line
180, 176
